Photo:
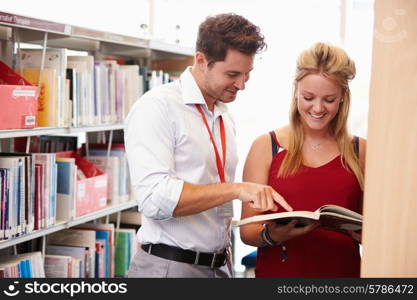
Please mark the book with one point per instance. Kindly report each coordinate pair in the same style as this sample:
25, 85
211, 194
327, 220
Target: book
331, 217
47, 100
58, 266
121, 253
66, 183
77, 252
104, 232
84, 66
27, 265
55, 60
77, 238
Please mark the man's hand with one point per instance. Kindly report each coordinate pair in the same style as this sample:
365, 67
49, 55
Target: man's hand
261, 197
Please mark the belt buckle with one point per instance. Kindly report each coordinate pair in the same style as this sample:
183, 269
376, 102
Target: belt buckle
213, 261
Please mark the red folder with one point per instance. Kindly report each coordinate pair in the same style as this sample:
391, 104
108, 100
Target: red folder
91, 192
18, 100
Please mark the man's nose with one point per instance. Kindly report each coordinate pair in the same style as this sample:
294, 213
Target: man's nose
240, 83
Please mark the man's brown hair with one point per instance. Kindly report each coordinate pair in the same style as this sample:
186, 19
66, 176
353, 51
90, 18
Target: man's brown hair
219, 33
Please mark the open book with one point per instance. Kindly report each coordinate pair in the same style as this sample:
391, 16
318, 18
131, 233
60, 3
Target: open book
332, 217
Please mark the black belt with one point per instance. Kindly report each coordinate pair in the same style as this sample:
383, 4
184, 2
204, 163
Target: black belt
214, 260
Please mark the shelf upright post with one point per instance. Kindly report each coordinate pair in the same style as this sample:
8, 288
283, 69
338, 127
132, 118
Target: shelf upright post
87, 148
102, 137
108, 150
16, 41
43, 246
27, 144
119, 213
45, 42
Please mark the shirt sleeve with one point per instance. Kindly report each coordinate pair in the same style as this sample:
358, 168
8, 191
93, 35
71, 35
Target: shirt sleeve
150, 143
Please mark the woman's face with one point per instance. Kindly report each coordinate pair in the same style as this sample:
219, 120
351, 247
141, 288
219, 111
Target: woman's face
318, 100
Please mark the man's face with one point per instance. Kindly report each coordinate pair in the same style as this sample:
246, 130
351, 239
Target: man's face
223, 79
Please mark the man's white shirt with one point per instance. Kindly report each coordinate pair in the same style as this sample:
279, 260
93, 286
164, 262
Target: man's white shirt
168, 144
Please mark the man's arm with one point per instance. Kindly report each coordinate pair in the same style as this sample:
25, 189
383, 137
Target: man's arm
197, 198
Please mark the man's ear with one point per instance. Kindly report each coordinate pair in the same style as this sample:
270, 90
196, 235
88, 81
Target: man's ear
200, 60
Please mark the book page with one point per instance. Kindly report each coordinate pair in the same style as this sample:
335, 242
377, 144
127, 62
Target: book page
283, 217
340, 211
340, 224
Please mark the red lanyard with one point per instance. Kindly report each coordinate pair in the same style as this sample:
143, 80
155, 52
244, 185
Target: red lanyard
220, 165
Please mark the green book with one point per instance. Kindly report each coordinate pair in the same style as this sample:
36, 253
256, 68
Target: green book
122, 253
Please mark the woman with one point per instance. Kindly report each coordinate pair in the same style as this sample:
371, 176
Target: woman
311, 162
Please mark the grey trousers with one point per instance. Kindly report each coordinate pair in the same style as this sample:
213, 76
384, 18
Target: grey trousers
146, 265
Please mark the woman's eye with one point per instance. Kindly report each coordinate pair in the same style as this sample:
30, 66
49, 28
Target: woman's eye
330, 100
308, 98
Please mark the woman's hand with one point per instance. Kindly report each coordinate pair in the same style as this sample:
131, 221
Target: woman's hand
282, 233
357, 236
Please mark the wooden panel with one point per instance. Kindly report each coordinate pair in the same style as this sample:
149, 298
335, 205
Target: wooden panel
390, 206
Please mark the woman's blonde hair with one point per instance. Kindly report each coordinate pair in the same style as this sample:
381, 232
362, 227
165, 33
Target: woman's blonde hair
333, 63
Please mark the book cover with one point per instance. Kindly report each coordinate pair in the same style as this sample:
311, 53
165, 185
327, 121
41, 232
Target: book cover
47, 101
66, 188
73, 251
106, 232
57, 266
56, 60
79, 238
122, 253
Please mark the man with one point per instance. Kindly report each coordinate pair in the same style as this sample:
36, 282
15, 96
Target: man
182, 155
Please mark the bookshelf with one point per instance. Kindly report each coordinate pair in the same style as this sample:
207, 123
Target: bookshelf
52, 130
17, 29
64, 225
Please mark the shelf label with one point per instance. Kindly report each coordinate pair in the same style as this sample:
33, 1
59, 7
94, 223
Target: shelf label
24, 93
100, 183
81, 190
31, 22
30, 120
102, 201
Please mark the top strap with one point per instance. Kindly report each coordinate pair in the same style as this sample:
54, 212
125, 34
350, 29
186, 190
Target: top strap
356, 145
274, 142
276, 145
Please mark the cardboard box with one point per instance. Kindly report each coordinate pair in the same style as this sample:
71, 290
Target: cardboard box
18, 100
90, 192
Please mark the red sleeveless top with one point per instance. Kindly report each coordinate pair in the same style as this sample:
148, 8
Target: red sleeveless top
319, 253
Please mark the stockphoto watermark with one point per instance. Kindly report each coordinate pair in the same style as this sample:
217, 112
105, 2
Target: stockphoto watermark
72, 288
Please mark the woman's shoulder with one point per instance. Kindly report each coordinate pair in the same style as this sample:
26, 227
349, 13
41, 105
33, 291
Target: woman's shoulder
262, 142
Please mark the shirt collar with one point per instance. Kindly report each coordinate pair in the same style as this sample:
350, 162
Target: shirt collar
191, 93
